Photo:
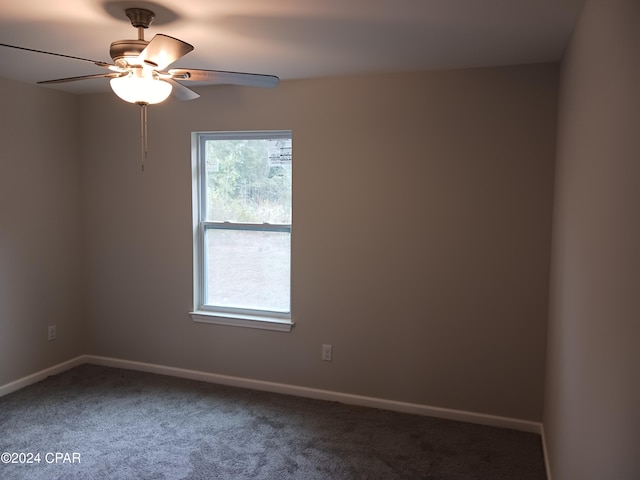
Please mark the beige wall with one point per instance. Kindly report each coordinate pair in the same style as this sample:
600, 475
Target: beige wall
422, 216
40, 245
592, 419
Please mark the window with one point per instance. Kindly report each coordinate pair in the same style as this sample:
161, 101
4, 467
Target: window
242, 228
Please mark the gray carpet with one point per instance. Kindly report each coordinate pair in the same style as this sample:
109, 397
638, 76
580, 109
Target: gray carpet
133, 425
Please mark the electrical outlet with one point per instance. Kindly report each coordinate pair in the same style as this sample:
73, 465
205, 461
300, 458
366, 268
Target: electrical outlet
327, 352
51, 333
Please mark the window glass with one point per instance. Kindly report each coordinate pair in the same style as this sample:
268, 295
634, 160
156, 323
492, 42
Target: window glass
248, 180
248, 269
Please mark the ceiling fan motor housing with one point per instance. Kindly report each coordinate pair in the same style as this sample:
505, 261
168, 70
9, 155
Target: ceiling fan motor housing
123, 50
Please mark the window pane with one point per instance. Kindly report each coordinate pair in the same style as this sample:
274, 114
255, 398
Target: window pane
248, 180
247, 269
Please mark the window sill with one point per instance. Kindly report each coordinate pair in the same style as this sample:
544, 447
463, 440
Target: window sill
247, 321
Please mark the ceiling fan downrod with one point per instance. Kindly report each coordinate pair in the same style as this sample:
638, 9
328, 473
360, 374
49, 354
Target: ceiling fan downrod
140, 18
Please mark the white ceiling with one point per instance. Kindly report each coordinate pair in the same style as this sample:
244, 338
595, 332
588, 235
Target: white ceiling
288, 38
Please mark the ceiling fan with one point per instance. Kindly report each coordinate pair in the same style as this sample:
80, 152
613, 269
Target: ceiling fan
138, 73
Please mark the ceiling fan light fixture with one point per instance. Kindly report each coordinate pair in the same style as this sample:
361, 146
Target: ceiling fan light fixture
141, 88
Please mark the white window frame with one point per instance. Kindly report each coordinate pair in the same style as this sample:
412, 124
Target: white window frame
240, 317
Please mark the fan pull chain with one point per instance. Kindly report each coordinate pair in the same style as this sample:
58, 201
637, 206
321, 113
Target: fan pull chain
143, 133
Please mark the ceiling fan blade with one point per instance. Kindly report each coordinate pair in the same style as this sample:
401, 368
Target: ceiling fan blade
218, 77
96, 62
163, 50
84, 77
180, 92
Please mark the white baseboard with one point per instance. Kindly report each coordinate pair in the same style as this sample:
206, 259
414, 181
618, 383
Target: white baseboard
347, 398
41, 375
478, 418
